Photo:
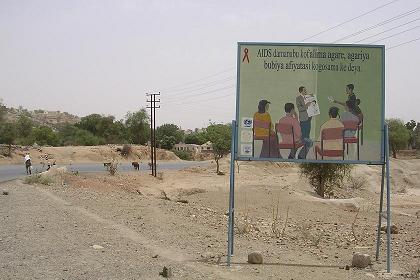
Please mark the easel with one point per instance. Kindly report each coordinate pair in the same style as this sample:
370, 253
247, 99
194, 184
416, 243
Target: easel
385, 173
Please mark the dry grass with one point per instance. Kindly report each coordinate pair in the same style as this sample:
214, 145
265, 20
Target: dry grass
39, 179
243, 225
353, 224
357, 183
275, 222
309, 235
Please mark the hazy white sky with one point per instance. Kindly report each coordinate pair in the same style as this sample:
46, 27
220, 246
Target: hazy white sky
102, 56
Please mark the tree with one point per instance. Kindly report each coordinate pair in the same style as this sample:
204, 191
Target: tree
3, 111
168, 142
138, 128
24, 126
8, 135
169, 130
115, 133
411, 125
44, 135
324, 176
399, 136
417, 136
74, 136
198, 138
104, 127
220, 136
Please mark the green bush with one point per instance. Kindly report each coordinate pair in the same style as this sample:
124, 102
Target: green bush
325, 176
74, 136
184, 155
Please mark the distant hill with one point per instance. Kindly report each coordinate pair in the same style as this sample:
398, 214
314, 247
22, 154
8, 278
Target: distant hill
43, 117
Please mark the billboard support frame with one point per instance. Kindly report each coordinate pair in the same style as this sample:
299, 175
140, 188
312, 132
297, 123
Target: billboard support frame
385, 175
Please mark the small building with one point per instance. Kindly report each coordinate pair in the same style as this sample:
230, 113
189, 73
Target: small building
193, 148
207, 147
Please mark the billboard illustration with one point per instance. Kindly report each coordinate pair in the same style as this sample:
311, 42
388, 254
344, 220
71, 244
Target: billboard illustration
310, 102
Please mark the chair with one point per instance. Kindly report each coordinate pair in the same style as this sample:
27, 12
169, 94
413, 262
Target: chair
286, 131
330, 134
361, 120
353, 126
264, 125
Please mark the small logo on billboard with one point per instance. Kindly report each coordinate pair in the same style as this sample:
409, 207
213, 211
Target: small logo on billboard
247, 122
246, 136
246, 150
245, 55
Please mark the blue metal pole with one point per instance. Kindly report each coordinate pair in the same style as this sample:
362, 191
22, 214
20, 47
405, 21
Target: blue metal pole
388, 203
381, 200
378, 239
231, 193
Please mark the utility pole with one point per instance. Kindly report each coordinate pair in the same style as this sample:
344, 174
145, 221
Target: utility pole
151, 98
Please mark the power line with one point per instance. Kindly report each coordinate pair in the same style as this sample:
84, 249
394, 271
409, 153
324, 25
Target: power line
379, 24
404, 31
201, 79
404, 43
204, 93
203, 100
406, 23
176, 95
183, 88
203, 85
177, 87
349, 20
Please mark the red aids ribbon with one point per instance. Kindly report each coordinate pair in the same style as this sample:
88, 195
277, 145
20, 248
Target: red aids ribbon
245, 55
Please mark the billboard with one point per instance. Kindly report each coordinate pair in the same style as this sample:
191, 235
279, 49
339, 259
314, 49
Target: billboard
310, 103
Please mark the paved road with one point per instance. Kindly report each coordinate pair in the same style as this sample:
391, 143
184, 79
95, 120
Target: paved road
9, 172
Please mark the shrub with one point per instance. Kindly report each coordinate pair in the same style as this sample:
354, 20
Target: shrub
184, 155
113, 167
324, 176
39, 179
126, 150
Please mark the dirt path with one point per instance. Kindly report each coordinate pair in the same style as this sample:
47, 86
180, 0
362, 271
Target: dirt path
46, 237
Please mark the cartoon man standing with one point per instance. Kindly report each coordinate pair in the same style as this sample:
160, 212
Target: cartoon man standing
304, 119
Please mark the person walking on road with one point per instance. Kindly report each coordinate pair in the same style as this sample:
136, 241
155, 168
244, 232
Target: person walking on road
28, 164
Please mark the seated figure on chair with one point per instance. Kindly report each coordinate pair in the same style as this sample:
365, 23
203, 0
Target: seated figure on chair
332, 142
264, 130
294, 137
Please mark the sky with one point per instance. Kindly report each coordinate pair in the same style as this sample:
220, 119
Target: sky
99, 56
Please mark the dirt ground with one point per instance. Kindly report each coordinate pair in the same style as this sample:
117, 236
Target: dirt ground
82, 154
143, 223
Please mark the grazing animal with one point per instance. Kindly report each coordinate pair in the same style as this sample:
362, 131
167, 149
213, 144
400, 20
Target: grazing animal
150, 165
136, 165
107, 165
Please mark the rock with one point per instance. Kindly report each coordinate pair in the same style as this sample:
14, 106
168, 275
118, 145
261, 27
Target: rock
166, 272
347, 267
5, 193
394, 229
255, 258
97, 247
155, 256
370, 275
182, 201
361, 260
